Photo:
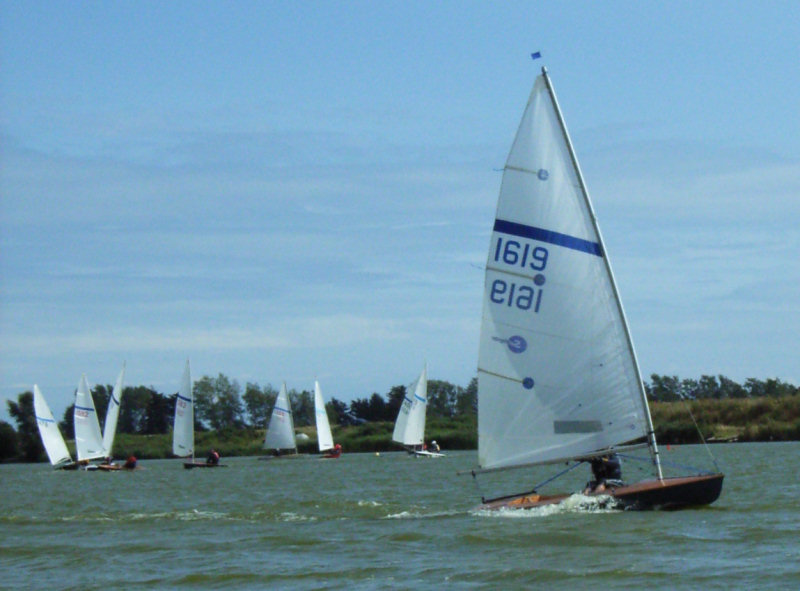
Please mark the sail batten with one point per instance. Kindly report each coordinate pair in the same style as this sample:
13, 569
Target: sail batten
557, 378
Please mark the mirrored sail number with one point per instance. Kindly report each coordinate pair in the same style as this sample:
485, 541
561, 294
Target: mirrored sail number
512, 294
522, 255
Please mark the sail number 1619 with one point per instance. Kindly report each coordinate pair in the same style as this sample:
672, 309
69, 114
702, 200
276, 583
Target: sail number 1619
514, 295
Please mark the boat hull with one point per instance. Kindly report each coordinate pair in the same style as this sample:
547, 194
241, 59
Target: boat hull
668, 494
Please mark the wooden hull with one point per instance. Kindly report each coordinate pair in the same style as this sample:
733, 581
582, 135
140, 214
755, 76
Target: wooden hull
670, 493
190, 465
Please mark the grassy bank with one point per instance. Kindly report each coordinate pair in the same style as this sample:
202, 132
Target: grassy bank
753, 419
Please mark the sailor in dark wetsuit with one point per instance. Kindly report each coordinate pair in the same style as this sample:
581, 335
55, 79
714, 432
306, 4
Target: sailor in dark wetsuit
606, 471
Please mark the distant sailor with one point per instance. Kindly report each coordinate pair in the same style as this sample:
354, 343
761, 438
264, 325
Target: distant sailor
213, 458
130, 463
435, 447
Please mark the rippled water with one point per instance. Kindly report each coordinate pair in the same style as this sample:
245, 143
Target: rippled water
389, 522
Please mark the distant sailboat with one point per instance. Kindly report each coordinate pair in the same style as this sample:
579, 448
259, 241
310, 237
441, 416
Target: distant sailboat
409, 428
558, 379
51, 436
183, 427
88, 439
112, 415
280, 431
324, 436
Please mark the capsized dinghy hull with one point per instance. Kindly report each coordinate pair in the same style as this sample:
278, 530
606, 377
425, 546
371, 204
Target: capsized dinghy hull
669, 493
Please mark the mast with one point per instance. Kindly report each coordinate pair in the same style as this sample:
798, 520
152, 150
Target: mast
651, 436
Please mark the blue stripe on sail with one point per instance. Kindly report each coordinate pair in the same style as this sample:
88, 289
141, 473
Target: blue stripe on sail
542, 235
85, 408
282, 409
114, 399
45, 420
184, 398
420, 398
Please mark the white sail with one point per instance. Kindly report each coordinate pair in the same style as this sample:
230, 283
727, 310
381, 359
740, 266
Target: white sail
557, 376
409, 429
88, 439
112, 414
183, 427
52, 439
280, 432
324, 437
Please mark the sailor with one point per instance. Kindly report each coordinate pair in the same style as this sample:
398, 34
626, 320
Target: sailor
606, 471
435, 447
213, 458
130, 463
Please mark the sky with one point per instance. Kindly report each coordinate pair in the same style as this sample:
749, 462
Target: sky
291, 191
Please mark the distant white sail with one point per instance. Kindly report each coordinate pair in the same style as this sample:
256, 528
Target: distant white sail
557, 376
324, 437
88, 439
52, 439
183, 427
409, 429
112, 414
280, 432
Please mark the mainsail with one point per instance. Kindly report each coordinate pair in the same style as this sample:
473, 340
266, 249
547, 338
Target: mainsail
557, 374
48, 429
324, 437
183, 428
280, 432
88, 439
409, 429
112, 414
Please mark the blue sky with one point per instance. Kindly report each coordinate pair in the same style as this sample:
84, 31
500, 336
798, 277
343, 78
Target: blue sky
290, 190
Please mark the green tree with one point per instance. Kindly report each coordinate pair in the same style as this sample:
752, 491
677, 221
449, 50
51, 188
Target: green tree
159, 414
258, 403
442, 397
467, 400
663, 388
30, 444
218, 402
337, 411
302, 407
8, 442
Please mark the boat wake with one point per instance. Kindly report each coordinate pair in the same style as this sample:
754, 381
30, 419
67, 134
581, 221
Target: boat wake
577, 503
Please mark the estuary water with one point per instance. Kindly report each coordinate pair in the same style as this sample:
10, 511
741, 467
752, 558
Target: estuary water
390, 521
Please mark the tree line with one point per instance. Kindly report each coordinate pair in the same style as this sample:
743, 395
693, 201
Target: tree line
222, 404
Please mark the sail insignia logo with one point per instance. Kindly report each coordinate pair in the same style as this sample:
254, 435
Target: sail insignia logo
515, 344
542, 174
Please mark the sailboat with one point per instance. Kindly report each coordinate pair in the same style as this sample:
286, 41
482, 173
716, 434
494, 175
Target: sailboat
88, 439
558, 379
183, 427
112, 414
324, 437
280, 431
110, 426
409, 428
52, 439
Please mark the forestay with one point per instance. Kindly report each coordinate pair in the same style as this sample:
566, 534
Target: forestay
409, 429
183, 429
88, 439
557, 377
52, 439
280, 432
324, 437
